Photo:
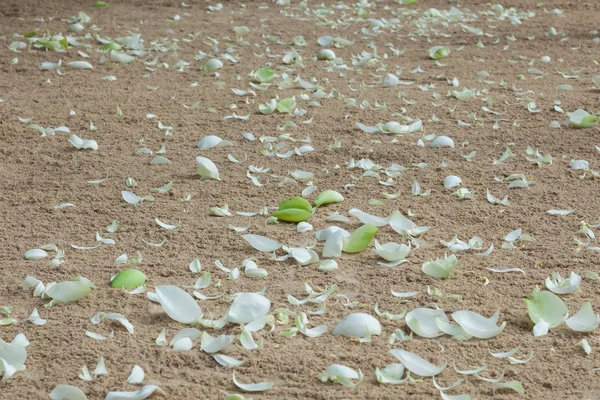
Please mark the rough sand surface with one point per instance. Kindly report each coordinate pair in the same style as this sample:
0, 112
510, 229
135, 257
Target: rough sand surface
38, 173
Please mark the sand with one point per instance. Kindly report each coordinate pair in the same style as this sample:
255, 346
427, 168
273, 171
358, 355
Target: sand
39, 173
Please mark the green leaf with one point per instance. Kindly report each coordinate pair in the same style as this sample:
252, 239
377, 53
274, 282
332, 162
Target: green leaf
31, 34
439, 52
235, 396
295, 202
112, 46
292, 215
328, 196
589, 121
360, 239
100, 4
264, 74
286, 105
49, 44
129, 279
213, 64
581, 119
241, 30
296, 209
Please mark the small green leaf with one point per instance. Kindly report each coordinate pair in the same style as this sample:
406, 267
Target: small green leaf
325, 54
589, 121
31, 34
129, 279
241, 30
235, 396
328, 196
112, 46
164, 188
581, 119
7, 321
100, 4
264, 74
292, 215
49, 44
296, 209
295, 202
286, 105
213, 64
360, 239
6, 310
439, 52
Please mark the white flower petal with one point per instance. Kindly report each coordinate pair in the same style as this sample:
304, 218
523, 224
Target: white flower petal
422, 321
441, 267
416, 364
207, 169
136, 376
190, 333
392, 374
35, 318
165, 225
358, 325
82, 144
69, 291
227, 361
178, 304
541, 328
341, 374
560, 212
367, 218
208, 142
252, 387
559, 285
476, 325
579, 164
442, 141
507, 354
67, 392
457, 332
405, 294
452, 181
247, 307
183, 344
35, 254
141, 394
210, 344
262, 243
131, 197
115, 317
514, 235
304, 227
100, 367
80, 65
304, 256
334, 244
392, 251
584, 320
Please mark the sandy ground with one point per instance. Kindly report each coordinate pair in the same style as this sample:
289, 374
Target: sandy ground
38, 173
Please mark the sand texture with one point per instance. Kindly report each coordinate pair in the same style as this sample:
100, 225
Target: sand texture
39, 172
